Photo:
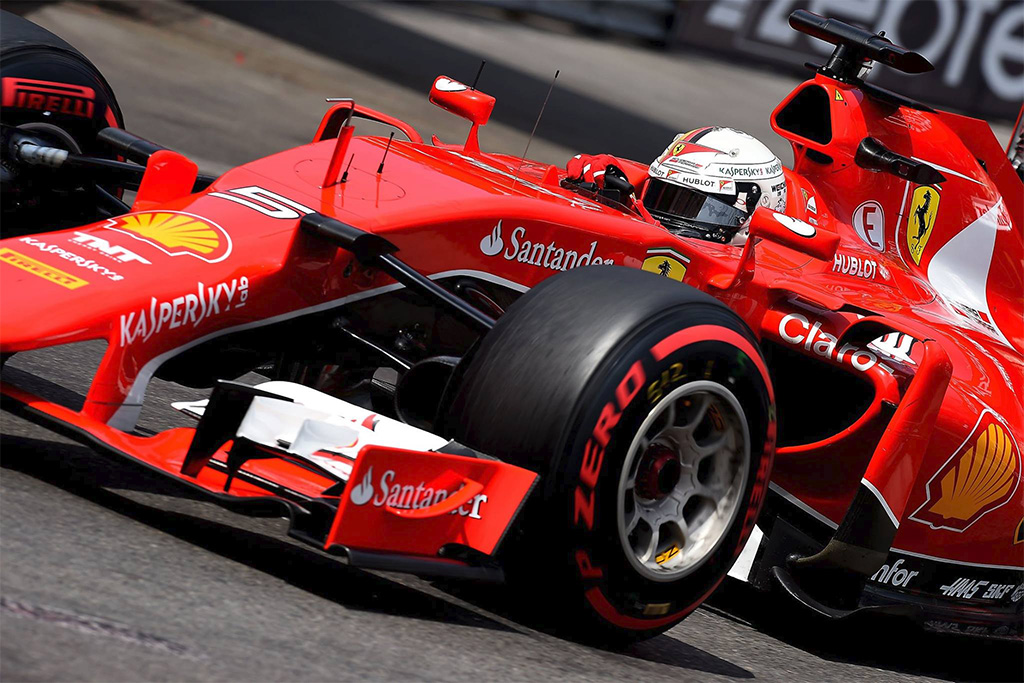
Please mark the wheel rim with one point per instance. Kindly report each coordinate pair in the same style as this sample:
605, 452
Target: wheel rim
57, 132
683, 480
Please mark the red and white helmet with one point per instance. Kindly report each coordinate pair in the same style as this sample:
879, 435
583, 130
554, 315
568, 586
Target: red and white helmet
708, 182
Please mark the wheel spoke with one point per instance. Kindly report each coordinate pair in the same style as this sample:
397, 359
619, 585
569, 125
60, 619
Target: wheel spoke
679, 440
633, 520
670, 417
704, 450
680, 531
652, 546
713, 490
702, 409
682, 493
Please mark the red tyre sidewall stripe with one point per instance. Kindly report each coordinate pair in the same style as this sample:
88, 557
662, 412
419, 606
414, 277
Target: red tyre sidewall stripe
607, 610
111, 118
698, 333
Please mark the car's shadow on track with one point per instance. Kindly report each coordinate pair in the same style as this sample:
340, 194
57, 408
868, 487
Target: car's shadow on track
886, 643
889, 643
662, 649
83, 473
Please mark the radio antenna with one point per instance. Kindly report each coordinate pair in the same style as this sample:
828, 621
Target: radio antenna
535, 124
483, 63
380, 169
344, 176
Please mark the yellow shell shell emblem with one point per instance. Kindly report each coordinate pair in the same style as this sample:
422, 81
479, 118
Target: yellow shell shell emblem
176, 233
982, 475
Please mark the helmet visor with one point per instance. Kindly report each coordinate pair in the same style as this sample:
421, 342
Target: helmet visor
685, 208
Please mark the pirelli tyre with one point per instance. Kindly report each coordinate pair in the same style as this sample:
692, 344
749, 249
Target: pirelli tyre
646, 407
51, 91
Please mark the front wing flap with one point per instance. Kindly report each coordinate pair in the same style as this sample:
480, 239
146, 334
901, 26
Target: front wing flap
414, 502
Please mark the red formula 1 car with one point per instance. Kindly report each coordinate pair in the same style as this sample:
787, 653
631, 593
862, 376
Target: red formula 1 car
471, 374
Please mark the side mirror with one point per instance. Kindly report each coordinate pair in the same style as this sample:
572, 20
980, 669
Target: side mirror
793, 233
780, 229
459, 99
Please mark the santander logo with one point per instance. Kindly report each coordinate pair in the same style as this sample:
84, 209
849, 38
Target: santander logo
363, 492
491, 244
404, 496
549, 255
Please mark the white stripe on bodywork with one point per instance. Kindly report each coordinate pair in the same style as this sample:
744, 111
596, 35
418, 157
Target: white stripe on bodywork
950, 171
881, 499
128, 414
959, 270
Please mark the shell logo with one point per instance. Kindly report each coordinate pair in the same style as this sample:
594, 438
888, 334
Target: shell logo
176, 233
981, 476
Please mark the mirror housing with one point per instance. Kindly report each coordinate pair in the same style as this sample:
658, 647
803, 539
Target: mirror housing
781, 229
793, 233
465, 102
459, 99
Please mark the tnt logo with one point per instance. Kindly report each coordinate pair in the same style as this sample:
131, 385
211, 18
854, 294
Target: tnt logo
114, 251
60, 98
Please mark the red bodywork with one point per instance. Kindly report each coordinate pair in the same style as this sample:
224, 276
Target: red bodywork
936, 271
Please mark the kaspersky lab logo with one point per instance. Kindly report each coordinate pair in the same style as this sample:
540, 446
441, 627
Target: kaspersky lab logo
401, 496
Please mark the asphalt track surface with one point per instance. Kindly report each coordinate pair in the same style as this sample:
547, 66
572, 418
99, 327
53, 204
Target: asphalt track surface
112, 574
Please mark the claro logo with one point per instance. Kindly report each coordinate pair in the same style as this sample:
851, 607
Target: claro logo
403, 496
798, 331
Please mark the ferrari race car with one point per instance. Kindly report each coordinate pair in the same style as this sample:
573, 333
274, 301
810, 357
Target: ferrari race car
472, 365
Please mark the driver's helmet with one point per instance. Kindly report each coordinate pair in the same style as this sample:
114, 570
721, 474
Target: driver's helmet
708, 182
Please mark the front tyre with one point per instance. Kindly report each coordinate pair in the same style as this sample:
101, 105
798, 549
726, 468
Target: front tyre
646, 407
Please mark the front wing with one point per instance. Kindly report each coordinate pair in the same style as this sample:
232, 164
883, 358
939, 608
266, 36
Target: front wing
374, 491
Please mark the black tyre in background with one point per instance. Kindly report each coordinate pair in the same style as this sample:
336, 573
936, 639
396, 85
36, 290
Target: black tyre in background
53, 92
